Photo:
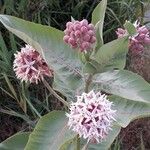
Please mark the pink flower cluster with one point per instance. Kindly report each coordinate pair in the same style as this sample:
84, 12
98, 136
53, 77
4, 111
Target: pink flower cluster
138, 41
30, 66
91, 116
80, 34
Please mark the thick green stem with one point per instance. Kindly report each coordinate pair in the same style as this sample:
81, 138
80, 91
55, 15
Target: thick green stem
88, 82
85, 146
78, 142
87, 85
54, 93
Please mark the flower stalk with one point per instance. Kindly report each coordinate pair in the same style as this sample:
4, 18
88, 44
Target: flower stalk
78, 142
88, 82
54, 93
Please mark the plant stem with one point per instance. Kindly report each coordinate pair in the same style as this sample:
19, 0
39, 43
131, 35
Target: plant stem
88, 82
85, 146
54, 93
32, 107
78, 142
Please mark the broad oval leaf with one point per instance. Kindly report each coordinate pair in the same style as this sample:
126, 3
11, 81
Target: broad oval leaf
111, 55
99, 12
105, 145
49, 42
125, 84
69, 145
50, 133
15, 142
98, 16
128, 110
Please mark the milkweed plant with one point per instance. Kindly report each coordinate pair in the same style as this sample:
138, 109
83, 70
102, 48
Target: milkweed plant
99, 95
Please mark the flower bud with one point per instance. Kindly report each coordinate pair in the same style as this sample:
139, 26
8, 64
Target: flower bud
147, 40
66, 38
87, 38
85, 45
68, 24
93, 39
91, 26
71, 41
141, 36
81, 35
77, 26
77, 33
84, 29
67, 31
143, 30
91, 33
84, 22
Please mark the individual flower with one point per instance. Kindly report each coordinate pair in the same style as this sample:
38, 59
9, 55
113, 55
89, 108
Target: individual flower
138, 41
91, 116
30, 66
121, 32
80, 34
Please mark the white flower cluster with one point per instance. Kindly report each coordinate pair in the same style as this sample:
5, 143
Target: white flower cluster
91, 116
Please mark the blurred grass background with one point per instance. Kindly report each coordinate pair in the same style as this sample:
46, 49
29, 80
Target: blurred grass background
21, 104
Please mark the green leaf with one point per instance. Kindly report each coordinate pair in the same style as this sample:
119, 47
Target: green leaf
4, 53
72, 19
98, 16
89, 68
3, 45
128, 110
105, 145
99, 12
49, 42
111, 55
13, 43
69, 145
125, 84
99, 37
15, 142
130, 28
50, 133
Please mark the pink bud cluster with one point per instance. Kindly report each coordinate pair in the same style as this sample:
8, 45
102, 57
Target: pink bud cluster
138, 41
91, 116
30, 66
80, 34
